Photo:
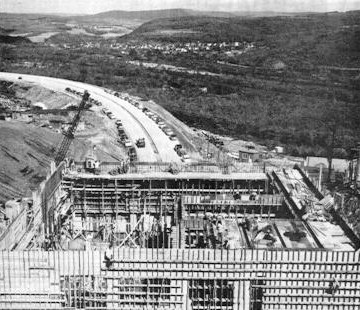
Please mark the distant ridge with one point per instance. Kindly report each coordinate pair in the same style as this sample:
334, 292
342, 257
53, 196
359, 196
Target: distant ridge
269, 13
147, 15
156, 14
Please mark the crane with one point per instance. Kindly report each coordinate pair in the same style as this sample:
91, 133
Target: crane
69, 135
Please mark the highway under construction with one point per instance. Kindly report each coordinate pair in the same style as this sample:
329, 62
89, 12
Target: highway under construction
172, 234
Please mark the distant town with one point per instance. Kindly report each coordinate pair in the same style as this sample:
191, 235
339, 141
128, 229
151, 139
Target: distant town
198, 48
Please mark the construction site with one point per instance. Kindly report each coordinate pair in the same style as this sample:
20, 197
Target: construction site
165, 230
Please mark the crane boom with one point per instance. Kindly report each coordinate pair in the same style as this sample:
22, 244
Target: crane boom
69, 135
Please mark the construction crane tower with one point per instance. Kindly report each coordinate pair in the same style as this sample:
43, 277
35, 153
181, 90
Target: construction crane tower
69, 135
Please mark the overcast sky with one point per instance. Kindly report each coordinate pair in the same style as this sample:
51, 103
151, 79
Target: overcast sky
96, 6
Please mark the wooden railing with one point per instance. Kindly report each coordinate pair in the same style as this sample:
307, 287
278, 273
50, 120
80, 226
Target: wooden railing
155, 167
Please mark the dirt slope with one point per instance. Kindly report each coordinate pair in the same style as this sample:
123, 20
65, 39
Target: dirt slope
36, 93
26, 149
25, 153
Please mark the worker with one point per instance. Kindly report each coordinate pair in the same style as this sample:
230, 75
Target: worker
247, 223
214, 234
46, 244
237, 196
220, 230
253, 196
333, 286
109, 257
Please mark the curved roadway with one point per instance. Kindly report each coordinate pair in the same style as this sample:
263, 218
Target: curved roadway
158, 146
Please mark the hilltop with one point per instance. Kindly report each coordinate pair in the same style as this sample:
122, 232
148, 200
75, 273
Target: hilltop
308, 27
332, 39
192, 24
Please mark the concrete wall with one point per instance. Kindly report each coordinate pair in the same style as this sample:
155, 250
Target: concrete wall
21, 230
278, 279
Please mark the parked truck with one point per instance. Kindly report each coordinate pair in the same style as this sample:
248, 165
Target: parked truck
140, 142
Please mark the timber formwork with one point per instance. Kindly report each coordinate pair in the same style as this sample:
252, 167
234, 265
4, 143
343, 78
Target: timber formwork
175, 202
180, 279
169, 232
102, 195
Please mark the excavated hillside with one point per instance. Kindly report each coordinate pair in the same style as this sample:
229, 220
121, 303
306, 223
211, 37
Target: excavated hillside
25, 154
38, 94
28, 144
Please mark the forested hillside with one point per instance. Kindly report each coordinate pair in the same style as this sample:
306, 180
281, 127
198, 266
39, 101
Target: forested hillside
297, 82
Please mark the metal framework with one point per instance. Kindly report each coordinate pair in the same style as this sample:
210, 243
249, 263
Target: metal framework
69, 135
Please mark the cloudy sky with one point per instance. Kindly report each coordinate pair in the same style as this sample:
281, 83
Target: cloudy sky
96, 6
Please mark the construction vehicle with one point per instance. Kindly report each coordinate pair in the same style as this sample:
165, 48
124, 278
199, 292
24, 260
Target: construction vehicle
178, 148
167, 131
69, 134
128, 143
181, 153
154, 117
121, 131
174, 168
92, 164
185, 157
161, 125
123, 137
174, 138
132, 154
140, 142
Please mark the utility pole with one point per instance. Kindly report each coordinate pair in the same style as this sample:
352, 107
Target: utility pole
207, 151
320, 178
357, 167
